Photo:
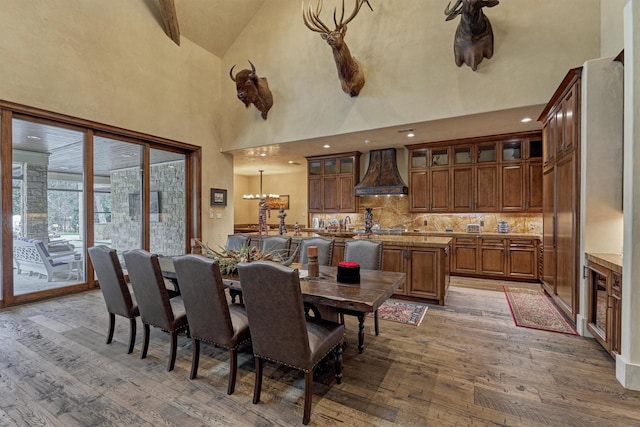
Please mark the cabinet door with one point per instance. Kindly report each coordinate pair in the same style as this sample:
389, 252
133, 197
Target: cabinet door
393, 259
598, 316
616, 312
347, 201
315, 194
419, 190
462, 189
486, 189
330, 193
569, 110
439, 194
512, 192
522, 259
464, 258
534, 186
493, 257
566, 232
549, 139
425, 273
549, 231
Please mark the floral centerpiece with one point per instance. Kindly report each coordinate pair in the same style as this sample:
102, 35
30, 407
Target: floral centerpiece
229, 259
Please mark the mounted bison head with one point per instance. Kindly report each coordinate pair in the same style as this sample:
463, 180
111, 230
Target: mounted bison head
474, 36
252, 89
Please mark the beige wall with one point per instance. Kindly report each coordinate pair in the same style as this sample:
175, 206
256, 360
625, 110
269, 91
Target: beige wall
293, 184
611, 28
110, 61
405, 47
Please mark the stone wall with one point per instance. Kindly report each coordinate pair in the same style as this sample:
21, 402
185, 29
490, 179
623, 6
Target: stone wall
35, 204
167, 228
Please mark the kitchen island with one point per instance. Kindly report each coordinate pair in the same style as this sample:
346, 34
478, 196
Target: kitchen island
423, 259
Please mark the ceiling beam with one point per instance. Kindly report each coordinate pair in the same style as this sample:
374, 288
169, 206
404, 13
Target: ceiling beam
170, 20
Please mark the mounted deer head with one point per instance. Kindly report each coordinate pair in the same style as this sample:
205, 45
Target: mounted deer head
252, 89
349, 71
474, 36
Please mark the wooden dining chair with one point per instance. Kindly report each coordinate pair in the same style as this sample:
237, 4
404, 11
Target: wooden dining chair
367, 253
279, 331
115, 290
211, 319
156, 308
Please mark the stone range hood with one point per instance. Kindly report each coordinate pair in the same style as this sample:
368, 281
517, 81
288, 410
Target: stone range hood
382, 177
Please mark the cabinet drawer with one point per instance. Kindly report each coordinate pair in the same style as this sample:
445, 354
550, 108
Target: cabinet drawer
465, 241
522, 243
490, 242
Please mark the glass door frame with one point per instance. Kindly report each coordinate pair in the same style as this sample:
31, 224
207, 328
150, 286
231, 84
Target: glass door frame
193, 185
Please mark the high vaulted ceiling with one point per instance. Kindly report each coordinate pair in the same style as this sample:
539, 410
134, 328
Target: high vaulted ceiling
215, 24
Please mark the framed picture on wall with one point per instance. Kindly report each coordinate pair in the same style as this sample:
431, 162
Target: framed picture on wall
218, 197
280, 202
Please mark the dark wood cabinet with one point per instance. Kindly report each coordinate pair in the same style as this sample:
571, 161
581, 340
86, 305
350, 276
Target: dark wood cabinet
493, 257
427, 270
394, 258
488, 174
464, 257
561, 193
605, 303
331, 180
496, 257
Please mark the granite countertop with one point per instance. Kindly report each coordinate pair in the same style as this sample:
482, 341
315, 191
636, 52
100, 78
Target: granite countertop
465, 234
611, 261
414, 241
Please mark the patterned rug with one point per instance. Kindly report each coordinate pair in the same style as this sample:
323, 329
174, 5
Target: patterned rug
402, 312
532, 308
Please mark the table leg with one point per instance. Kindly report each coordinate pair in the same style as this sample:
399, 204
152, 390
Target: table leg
360, 332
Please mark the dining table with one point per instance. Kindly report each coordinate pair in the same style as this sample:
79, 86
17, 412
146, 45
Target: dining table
326, 293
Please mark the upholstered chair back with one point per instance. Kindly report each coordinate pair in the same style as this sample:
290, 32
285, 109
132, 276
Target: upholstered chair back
325, 250
367, 253
112, 282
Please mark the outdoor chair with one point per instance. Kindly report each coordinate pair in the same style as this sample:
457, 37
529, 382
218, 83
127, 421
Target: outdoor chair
279, 330
114, 290
33, 256
367, 253
156, 309
211, 319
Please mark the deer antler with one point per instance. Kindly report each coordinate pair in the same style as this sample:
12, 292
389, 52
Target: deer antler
452, 13
314, 23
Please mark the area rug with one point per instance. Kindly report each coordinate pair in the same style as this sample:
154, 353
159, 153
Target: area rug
532, 308
402, 312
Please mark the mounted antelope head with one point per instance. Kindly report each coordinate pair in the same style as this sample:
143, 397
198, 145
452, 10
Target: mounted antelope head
252, 89
474, 36
349, 70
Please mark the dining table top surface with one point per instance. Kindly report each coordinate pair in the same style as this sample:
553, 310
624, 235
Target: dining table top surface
375, 286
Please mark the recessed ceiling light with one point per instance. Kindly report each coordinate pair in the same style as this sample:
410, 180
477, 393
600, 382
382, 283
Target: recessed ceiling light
326, 146
526, 120
290, 162
33, 137
366, 141
263, 154
128, 155
411, 135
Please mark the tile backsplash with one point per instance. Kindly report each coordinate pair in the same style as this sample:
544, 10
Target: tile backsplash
393, 212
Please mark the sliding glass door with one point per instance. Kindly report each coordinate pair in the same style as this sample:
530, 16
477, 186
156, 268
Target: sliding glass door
73, 186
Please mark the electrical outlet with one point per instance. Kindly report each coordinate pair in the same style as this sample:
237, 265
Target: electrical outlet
482, 223
424, 222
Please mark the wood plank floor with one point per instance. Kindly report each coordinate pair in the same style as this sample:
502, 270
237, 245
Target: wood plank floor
465, 365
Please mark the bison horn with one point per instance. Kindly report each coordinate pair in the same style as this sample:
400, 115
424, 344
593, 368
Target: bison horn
253, 69
231, 73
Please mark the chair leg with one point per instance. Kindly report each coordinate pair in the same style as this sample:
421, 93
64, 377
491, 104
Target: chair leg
233, 370
337, 352
308, 394
145, 343
172, 353
375, 322
257, 387
112, 323
132, 334
195, 357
